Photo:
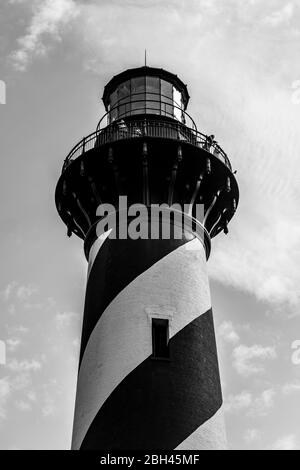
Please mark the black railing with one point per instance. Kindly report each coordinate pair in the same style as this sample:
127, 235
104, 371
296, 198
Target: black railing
140, 128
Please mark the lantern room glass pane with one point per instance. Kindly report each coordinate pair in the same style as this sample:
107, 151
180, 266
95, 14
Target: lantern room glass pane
114, 98
138, 95
138, 87
124, 91
166, 91
152, 95
167, 99
152, 85
124, 99
113, 114
178, 104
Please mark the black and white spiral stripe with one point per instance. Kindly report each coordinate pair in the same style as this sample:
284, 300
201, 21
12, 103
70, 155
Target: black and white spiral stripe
125, 399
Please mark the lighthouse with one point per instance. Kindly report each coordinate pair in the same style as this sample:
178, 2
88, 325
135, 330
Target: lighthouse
148, 376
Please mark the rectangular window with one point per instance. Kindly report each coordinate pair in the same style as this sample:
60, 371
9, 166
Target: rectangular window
138, 94
124, 99
178, 104
167, 99
152, 95
160, 338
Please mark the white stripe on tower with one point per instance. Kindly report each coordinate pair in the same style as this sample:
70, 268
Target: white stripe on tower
209, 436
120, 345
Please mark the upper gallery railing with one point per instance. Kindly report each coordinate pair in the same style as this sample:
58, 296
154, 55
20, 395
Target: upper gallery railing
144, 127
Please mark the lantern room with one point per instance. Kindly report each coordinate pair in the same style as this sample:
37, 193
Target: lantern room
145, 90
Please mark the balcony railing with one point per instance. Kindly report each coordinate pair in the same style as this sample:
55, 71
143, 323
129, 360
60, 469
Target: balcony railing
141, 128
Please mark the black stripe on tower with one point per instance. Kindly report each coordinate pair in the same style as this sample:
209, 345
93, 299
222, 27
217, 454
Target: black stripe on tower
160, 404
114, 268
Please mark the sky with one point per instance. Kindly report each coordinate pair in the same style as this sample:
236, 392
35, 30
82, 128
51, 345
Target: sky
240, 60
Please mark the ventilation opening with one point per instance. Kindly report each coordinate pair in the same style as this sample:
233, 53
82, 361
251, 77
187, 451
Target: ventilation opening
160, 339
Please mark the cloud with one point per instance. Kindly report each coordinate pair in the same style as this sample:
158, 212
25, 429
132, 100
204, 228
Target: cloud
253, 406
64, 319
291, 388
25, 292
252, 435
227, 332
236, 403
5, 390
26, 403
31, 395
20, 381
23, 405
262, 405
246, 359
6, 293
50, 398
24, 365
50, 18
48, 409
13, 344
286, 443
15, 291
281, 16
18, 329
262, 253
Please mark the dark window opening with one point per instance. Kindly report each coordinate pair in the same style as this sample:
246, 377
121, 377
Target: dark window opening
160, 339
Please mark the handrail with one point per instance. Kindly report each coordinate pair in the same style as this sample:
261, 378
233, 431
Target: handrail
138, 128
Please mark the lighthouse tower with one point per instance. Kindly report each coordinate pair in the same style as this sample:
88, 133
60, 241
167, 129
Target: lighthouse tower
148, 374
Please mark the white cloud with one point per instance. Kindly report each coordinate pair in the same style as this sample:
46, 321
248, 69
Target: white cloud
252, 435
6, 293
64, 319
11, 309
262, 405
13, 344
49, 19
239, 402
291, 388
20, 381
25, 292
281, 16
18, 329
50, 398
31, 395
49, 407
24, 365
4, 395
286, 443
247, 359
253, 406
15, 291
227, 332
23, 405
